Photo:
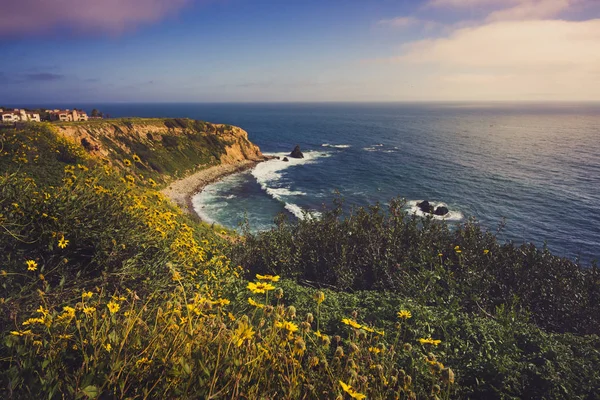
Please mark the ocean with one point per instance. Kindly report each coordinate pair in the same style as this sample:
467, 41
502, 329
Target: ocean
533, 167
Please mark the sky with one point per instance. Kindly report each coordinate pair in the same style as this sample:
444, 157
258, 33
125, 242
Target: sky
57, 51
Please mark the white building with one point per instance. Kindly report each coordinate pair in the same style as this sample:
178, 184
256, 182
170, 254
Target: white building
19, 115
67, 115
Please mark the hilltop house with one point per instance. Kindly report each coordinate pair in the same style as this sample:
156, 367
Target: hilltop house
67, 115
18, 115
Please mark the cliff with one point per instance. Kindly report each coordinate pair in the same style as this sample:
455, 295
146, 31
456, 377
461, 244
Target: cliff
165, 148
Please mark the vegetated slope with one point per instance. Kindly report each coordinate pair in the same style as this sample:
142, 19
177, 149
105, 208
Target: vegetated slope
107, 290
164, 148
518, 321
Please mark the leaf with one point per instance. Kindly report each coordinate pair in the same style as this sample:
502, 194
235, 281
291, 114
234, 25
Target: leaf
91, 391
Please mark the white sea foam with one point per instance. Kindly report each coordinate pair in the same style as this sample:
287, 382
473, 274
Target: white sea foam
369, 148
451, 216
269, 173
337, 146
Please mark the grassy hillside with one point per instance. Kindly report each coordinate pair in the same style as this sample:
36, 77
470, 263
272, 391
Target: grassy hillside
108, 291
161, 149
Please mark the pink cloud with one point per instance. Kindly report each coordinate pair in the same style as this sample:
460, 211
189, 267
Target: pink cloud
536, 9
108, 16
408, 22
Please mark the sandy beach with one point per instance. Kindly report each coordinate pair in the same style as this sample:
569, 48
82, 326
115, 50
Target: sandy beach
182, 190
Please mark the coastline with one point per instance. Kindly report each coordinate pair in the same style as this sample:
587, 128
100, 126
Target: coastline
183, 190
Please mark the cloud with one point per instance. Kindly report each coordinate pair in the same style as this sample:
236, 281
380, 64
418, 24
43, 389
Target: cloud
515, 57
539, 9
409, 22
25, 17
514, 44
44, 76
500, 10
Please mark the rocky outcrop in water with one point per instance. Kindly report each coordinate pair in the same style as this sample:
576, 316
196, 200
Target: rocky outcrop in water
441, 211
427, 207
296, 153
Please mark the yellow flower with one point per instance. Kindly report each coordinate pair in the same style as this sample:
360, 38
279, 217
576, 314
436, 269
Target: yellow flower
486, 251
318, 334
368, 329
268, 277
34, 321
242, 333
457, 249
136, 158
375, 350
352, 323
143, 361
260, 287
42, 311
127, 163
319, 297
21, 333
254, 303
222, 302
69, 311
65, 336
31, 265
429, 340
62, 242
404, 314
353, 393
89, 310
176, 276
87, 295
108, 347
287, 325
113, 307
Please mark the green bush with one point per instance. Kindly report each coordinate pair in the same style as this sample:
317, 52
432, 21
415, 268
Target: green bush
377, 249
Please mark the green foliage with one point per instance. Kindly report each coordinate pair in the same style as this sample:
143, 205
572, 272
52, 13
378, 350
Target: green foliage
494, 356
423, 259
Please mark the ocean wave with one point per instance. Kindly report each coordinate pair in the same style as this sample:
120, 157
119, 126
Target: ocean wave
337, 146
451, 216
380, 148
269, 173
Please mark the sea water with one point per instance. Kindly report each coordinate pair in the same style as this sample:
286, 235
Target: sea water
535, 167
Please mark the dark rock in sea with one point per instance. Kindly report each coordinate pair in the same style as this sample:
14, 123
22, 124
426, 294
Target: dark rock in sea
296, 153
425, 206
441, 210
285, 159
277, 157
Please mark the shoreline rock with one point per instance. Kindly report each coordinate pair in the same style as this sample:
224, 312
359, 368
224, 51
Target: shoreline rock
296, 153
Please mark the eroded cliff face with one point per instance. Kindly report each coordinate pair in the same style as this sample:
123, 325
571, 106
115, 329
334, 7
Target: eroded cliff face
107, 139
240, 148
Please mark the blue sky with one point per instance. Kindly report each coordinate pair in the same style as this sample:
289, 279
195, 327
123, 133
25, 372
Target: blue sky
328, 50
